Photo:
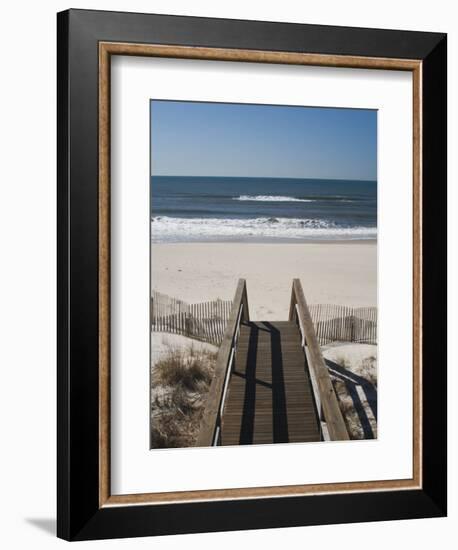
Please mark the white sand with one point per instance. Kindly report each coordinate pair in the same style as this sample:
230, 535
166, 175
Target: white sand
360, 359
342, 273
162, 343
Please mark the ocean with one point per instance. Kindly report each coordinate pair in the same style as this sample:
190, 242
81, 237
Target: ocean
187, 209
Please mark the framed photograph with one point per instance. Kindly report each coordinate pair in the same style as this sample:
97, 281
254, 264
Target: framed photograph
252, 274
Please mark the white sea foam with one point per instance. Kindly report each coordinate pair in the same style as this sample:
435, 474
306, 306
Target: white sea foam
164, 228
269, 198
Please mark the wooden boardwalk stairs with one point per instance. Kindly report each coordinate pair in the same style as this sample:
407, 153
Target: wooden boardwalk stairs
271, 384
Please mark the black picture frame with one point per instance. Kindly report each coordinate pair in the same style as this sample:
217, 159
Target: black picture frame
79, 515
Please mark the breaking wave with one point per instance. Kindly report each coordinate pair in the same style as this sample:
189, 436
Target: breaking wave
269, 198
164, 228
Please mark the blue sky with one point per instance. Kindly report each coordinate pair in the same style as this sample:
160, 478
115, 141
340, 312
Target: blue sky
222, 139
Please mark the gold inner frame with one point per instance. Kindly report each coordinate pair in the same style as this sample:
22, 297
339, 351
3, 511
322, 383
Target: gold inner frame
106, 50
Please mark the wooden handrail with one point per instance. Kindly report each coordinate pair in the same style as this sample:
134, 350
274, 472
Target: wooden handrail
211, 420
326, 399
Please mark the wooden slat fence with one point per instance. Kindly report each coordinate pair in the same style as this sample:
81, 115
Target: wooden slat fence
334, 323
205, 321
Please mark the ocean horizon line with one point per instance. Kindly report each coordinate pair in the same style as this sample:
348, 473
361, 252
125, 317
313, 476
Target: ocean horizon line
262, 177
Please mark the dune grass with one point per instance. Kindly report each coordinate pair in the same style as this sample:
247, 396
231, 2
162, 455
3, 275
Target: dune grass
180, 381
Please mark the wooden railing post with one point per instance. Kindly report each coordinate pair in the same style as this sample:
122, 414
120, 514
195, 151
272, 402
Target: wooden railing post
327, 398
245, 310
292, 305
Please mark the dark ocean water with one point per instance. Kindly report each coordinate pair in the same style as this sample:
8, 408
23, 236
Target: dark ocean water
187, 209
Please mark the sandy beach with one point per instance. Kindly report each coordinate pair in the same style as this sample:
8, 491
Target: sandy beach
343, 273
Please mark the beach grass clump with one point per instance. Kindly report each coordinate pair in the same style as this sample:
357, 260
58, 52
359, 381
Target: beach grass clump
180, 382
368, 369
